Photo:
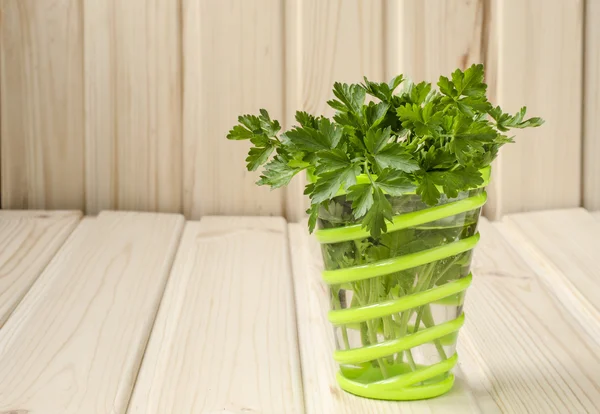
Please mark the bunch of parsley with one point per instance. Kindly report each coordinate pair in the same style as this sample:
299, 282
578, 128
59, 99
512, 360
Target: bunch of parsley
419, 139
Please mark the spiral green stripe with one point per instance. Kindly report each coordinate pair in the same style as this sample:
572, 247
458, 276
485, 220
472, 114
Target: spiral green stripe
411, 378
396, 264
381, 309
403, 221
403, 387
383, 349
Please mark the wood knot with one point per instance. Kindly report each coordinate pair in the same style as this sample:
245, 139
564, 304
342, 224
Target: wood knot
334, 391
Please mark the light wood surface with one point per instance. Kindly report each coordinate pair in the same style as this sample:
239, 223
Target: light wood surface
591, 107
133, 139
327, 42
75, 343
28, 240
225, 337
434, 38
233, 64
522, 347
564, 246
41, 104
126, 104
429, 38
543, 169
234, 327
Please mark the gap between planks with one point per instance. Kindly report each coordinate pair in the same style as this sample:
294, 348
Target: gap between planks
563, 249
504, 364
28, 240
225, 335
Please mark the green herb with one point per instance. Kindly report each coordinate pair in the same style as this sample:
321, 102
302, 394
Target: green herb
398, 153
418, 139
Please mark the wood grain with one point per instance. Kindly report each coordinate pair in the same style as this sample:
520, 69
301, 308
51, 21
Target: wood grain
225, 337
28, 240
518, 342
75, 343
41, 104
541, 45
563, 246
233, 64
316, 338
133, 105
432, 38
591, 107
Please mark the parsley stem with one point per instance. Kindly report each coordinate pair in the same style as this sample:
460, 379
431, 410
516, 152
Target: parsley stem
366, 165
337, 305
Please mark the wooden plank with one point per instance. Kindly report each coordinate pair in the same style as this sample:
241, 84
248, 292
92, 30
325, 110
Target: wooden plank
562, 245
28, 240
225, 337
326, 30
233, 64
432, 38
535, 52
133, 105
591, 106
316, 338
295, 203
327, 41
41, 104
75, 343
518, 343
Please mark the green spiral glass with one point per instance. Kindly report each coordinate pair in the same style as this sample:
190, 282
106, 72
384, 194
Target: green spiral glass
397, 299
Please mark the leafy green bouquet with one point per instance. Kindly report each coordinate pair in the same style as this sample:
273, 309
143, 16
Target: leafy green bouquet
398, 153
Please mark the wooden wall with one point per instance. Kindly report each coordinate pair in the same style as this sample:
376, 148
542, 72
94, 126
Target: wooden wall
111, 104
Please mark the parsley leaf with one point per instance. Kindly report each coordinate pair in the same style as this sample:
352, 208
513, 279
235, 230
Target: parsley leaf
306, 119
252, 122
504, 121
383, 91
330, 133
361, 196
258, 156
427, 189
418, 93
351, 97
395, 156
278, 172
313, 215
375, 113
419, 139
457, 180
330, 182
375, 140
394, 182
331, 160
269, 127
469, 82
380, 211
240, 132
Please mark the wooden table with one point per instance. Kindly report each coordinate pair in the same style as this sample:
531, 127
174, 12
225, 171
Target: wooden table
146, 313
